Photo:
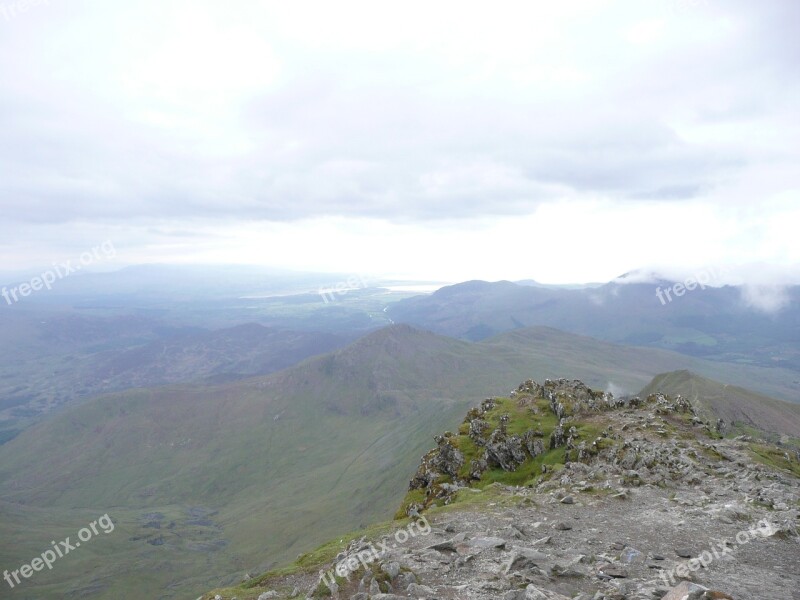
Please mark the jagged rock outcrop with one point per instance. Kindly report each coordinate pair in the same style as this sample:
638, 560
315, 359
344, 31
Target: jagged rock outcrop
503, 450
485, 434
532, 439
567, 397
448, 458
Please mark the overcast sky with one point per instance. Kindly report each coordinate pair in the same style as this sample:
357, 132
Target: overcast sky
561, 141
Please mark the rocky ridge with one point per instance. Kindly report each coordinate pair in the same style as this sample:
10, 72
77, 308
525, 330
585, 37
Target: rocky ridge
562, 492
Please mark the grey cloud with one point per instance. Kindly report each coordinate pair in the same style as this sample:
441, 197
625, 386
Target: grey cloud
335, 139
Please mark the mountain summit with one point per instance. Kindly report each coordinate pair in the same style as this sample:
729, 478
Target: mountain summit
561, 492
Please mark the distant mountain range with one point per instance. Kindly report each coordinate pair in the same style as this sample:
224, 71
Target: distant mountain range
722, 323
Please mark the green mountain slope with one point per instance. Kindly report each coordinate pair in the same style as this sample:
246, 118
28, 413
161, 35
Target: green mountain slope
740, 408
201, 479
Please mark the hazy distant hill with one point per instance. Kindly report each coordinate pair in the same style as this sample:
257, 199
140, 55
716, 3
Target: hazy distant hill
716, 323
739, 407
622, 368
53, 358
201, 478
249, 349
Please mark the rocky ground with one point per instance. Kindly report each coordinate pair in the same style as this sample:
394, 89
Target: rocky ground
659, 510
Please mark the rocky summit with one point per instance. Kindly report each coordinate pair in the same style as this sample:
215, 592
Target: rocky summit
561, 492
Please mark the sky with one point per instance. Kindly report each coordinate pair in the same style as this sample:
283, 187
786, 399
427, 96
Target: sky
561, 141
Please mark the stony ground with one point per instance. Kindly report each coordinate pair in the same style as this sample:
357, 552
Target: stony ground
685, 513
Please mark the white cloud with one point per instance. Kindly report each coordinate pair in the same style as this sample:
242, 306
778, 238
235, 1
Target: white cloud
766, 298
564, 141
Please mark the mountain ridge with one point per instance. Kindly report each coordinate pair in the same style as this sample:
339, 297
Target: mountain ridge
716, 322
559, 491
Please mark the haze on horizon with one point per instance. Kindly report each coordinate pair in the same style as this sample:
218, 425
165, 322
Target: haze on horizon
446, 141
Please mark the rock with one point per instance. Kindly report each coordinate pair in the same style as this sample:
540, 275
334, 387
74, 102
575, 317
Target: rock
684, 552
568, 500
630, 555
513, 532
450, 488
534, 593
543, 541
405, 579
614, 571
562, 526
448, 459
392, 569
533, 442
334, 588
686, 591
462, 561
557, 437
524, 558
487, 542
419, 590
570, 569
477, 468
268, 595
450, 545
477, 427
504, 451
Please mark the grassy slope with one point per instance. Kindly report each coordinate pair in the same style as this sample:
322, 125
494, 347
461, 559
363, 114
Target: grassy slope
288, 460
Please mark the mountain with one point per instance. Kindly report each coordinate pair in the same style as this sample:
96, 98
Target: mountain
147, 283
741, 409
723, 323
200, 478
623, 368
208, 480
559, 491
230, 353
62, 356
